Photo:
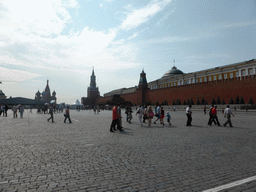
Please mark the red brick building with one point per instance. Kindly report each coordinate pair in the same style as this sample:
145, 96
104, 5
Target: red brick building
222, 84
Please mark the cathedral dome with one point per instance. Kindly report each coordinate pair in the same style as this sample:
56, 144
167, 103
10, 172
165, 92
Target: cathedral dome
38, 93
43, 93
172, 72
54, 93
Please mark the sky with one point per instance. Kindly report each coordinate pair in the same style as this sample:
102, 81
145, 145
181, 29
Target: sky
62, 40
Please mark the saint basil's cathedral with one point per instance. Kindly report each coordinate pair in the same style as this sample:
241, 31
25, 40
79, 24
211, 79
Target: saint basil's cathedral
46, 96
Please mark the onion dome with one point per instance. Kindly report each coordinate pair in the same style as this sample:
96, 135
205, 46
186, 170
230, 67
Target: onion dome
38, 93
54, 93
43, 93
172, 72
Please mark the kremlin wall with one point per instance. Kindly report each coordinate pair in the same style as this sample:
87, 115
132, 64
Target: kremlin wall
225, 82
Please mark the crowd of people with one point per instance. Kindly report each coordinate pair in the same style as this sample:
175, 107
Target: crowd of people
144, 114
147, 114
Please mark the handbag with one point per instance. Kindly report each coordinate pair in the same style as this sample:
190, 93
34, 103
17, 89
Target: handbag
151, 114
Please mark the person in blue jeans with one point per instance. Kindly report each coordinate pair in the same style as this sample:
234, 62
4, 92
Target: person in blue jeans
67, 115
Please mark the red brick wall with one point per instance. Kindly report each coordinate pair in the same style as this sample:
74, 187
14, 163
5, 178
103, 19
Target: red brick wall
225, 89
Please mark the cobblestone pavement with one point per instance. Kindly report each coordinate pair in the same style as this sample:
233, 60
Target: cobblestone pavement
37, 155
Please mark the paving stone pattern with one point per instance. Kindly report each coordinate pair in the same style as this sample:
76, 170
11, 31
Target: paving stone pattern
37, 155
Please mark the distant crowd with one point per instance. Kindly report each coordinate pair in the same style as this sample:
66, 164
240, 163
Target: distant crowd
147, 114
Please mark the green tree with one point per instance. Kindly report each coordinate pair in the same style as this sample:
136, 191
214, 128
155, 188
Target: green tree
192, 102
237, 100
213, 101
198, 102
223, 102
231, 101
203, 100
250, 101
184, 103
218, 100
241, 100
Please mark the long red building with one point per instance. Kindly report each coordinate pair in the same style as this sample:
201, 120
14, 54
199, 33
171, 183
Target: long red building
222, 84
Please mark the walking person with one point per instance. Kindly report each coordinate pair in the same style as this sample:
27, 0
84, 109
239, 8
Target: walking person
205, 109
168, 118
6, 109
228, 113
150, 115
210, 116
127, 113
130, 114
145, 114
2, 110
140, 111
189, 115
51, 113
158, 113
119, 112
214, 116
21, 109
115, 120
14, 110
162, 115
67, 115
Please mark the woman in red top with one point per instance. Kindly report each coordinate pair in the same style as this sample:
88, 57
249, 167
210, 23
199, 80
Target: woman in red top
162, 116
115, 120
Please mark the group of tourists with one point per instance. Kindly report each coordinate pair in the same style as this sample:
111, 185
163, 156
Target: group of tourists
15, 109
213, 118
3, 109
144, 114
147, 114
66, 114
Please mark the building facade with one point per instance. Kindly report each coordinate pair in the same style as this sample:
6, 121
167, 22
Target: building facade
92, 92
46, 95
225, 83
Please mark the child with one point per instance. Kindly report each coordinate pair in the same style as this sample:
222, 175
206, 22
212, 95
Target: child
168, 118
162, 116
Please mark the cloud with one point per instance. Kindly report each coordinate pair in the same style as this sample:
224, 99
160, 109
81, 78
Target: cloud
44, 18
16, 75
139, 16
33, 37
236, 25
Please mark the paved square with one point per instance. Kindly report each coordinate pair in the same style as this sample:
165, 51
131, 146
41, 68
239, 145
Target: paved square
37, 155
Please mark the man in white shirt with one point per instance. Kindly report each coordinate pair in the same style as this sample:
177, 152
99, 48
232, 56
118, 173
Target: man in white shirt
228, 114
189, 113
158, 110
140, 111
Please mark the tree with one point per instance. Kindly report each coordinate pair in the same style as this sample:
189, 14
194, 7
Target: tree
223, 102
206, 102
192, 102
173, 103
218, 100
184, 103
203, 101
251, 101
188, 102
165, 102
198, 102
213, 101
237, 100
241, 100
231, 101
